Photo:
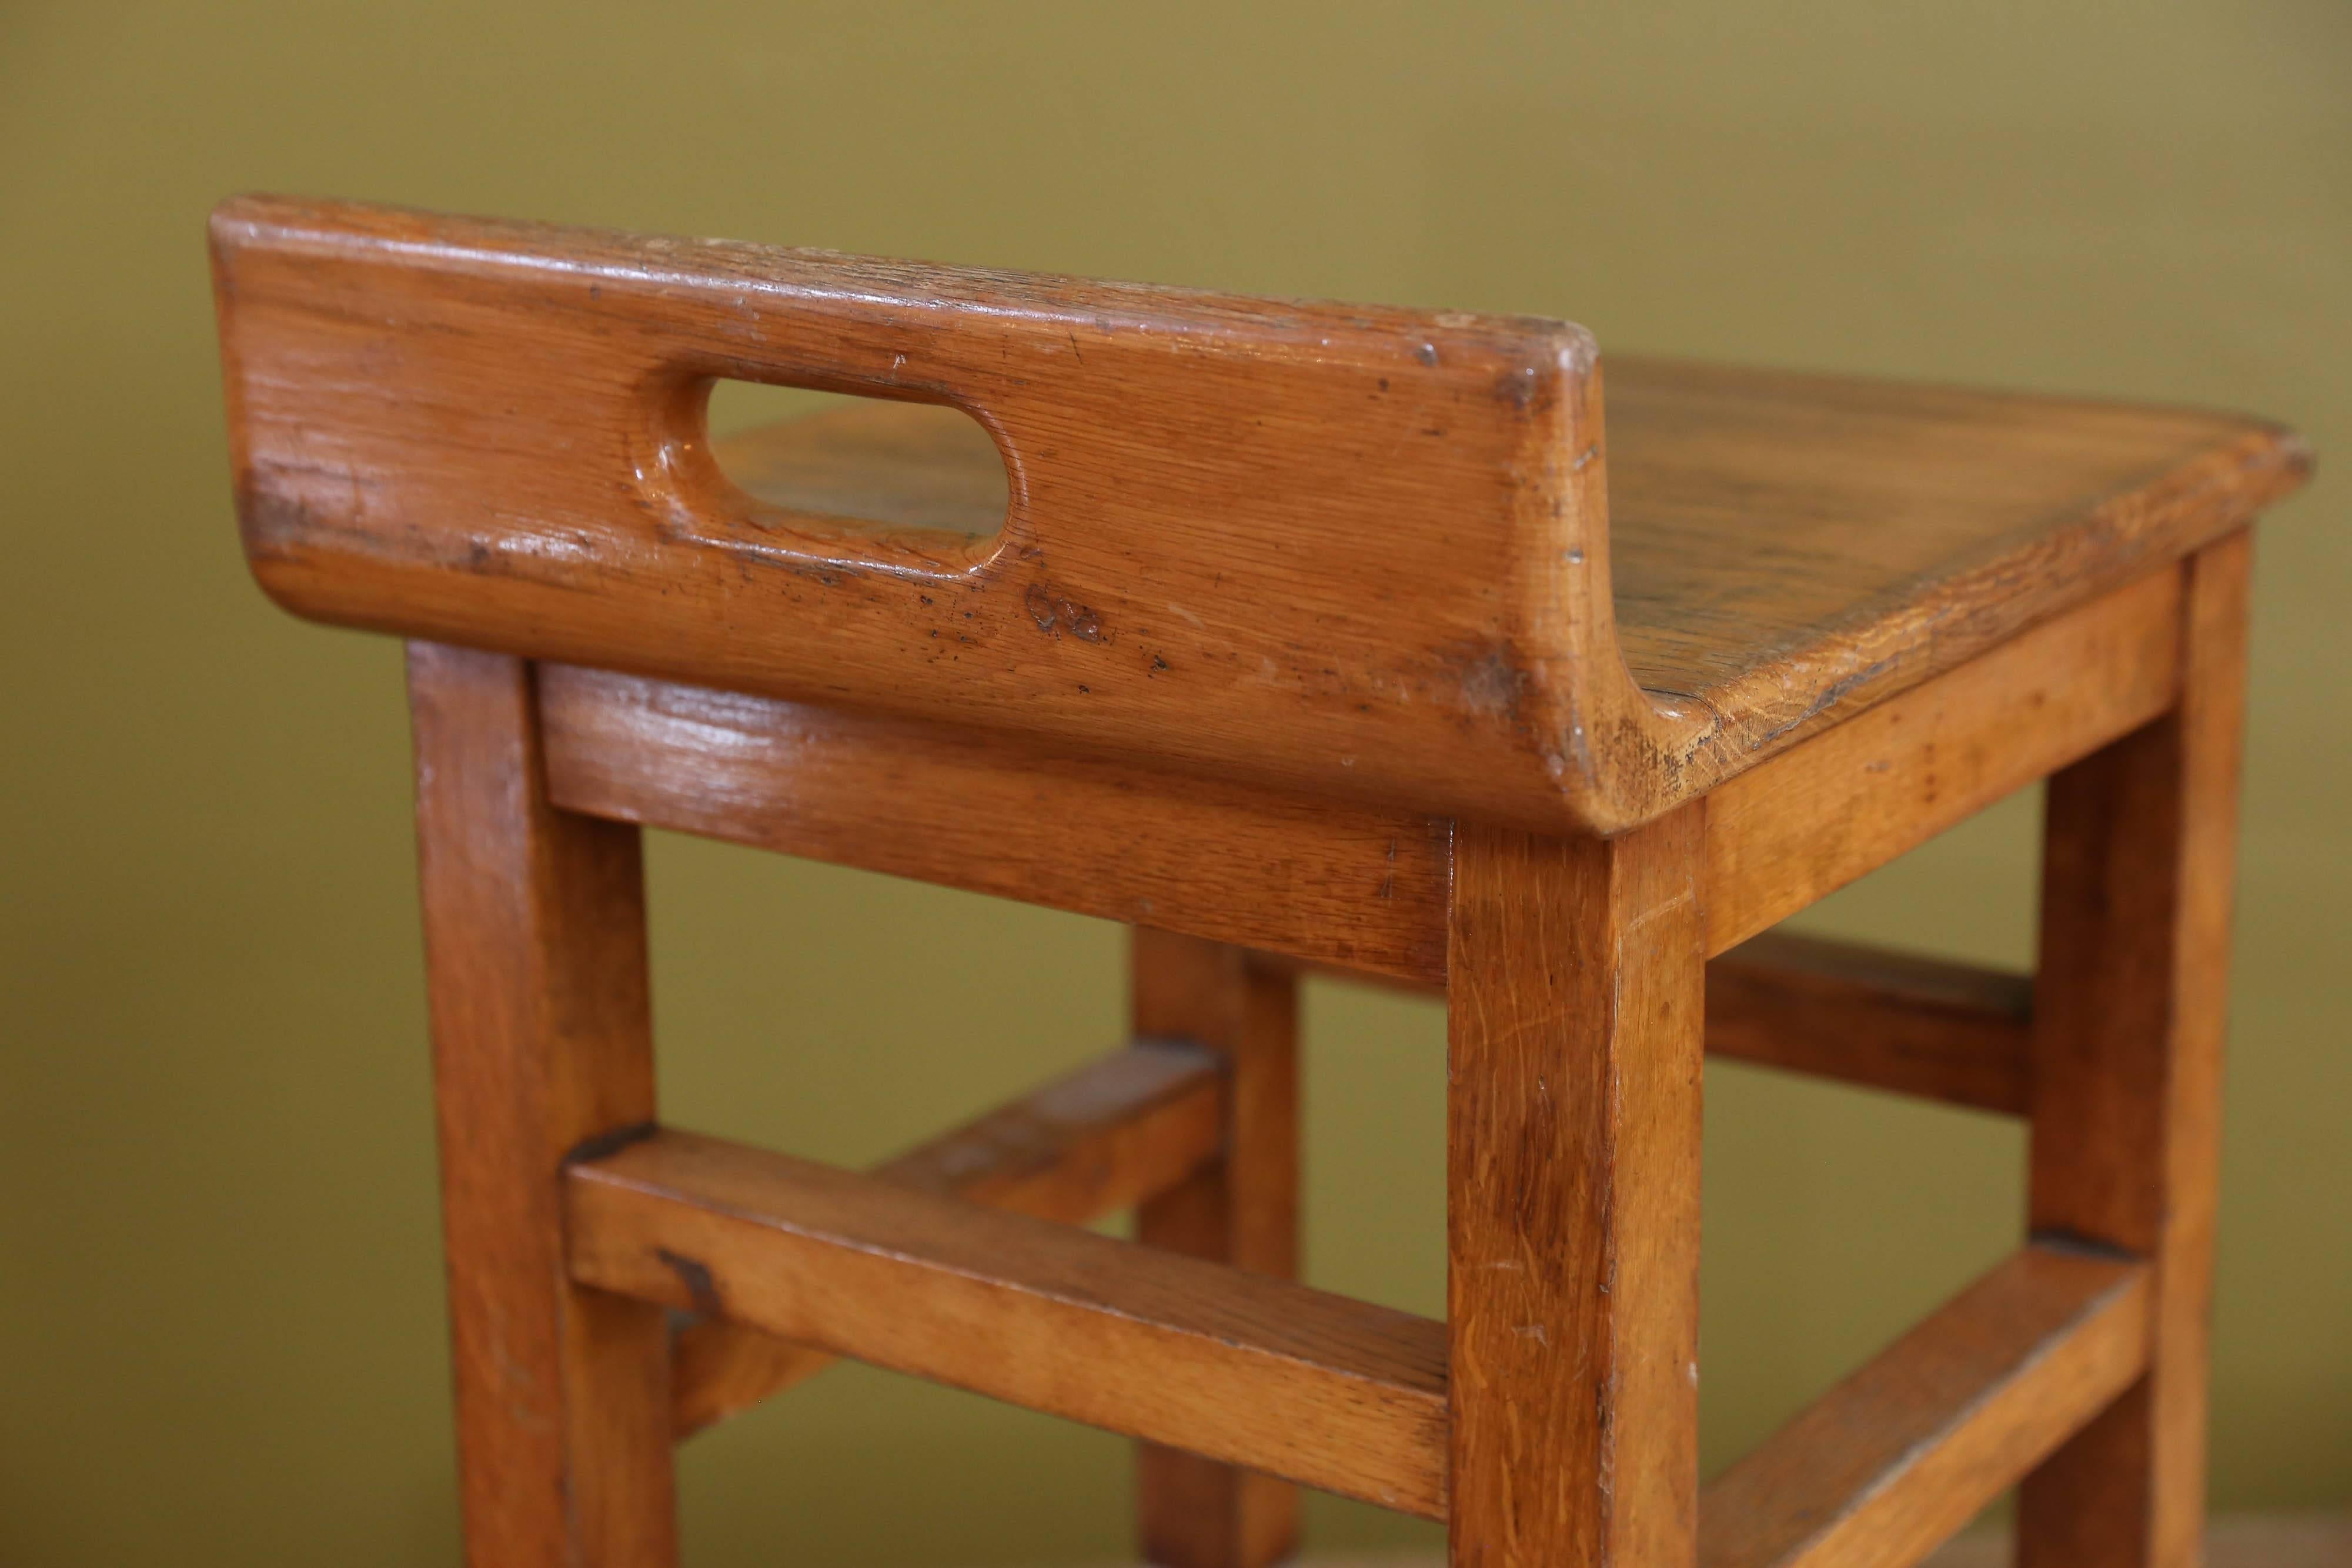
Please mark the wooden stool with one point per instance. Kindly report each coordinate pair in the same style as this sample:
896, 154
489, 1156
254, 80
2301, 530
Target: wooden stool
1297, 643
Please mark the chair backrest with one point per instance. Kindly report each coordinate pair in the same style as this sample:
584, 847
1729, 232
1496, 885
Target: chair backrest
1353, 551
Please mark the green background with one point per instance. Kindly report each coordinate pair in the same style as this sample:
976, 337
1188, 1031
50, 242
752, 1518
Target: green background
219, 1275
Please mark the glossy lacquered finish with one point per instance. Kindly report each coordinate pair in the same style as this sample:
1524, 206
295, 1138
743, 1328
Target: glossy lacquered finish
1304, 639
1356, 551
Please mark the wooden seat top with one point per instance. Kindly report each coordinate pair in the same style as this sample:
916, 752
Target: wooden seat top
1438, 560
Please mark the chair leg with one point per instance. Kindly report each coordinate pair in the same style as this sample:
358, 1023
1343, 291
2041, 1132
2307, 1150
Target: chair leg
1576, 988
534, 927
1241, 1208
2130, 1009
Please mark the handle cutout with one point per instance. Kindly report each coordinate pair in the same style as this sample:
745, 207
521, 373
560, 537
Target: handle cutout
891, 467
738, 406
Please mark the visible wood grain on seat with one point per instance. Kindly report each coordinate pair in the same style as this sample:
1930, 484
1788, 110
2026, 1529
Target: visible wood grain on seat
1093, 1142
1787, 543
1253, 1371
1887, 1465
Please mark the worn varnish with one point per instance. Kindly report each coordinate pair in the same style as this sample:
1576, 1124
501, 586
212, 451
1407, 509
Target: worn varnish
1301, 638
1358, 551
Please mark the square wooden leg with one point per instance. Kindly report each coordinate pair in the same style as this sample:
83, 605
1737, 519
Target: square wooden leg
1240, 1208
534, 928
2130, 1009
1574, 1037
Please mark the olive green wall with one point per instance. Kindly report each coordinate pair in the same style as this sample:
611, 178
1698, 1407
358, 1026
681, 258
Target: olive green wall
219, 1286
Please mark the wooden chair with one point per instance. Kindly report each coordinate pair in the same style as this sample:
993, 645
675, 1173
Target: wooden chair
1298, 636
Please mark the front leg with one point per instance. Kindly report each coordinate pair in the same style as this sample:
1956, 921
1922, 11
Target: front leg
1575, 995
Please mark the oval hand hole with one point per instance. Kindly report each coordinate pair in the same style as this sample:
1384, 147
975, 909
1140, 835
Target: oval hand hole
892, 465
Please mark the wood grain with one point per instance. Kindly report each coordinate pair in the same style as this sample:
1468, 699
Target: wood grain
1356, 886
1791, 547
1096, 1141
2131, 1007
1807, 823
534, 946
1247, 1369
1347, 634
1215, 554
1358, 551
1874, 1019
1886, 1466
1572, 1158
1241, 1208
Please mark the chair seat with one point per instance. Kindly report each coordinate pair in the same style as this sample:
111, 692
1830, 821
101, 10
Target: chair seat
1778, 539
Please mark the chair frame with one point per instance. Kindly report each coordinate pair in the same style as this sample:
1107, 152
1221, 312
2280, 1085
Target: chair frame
1593, 937
1580, 997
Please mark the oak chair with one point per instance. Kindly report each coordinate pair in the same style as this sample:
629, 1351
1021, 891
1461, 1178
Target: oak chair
1302, 637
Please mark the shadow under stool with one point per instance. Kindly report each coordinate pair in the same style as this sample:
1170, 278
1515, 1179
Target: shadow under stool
1301, 637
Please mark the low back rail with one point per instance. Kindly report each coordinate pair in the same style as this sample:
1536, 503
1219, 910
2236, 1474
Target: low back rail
1357, 550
